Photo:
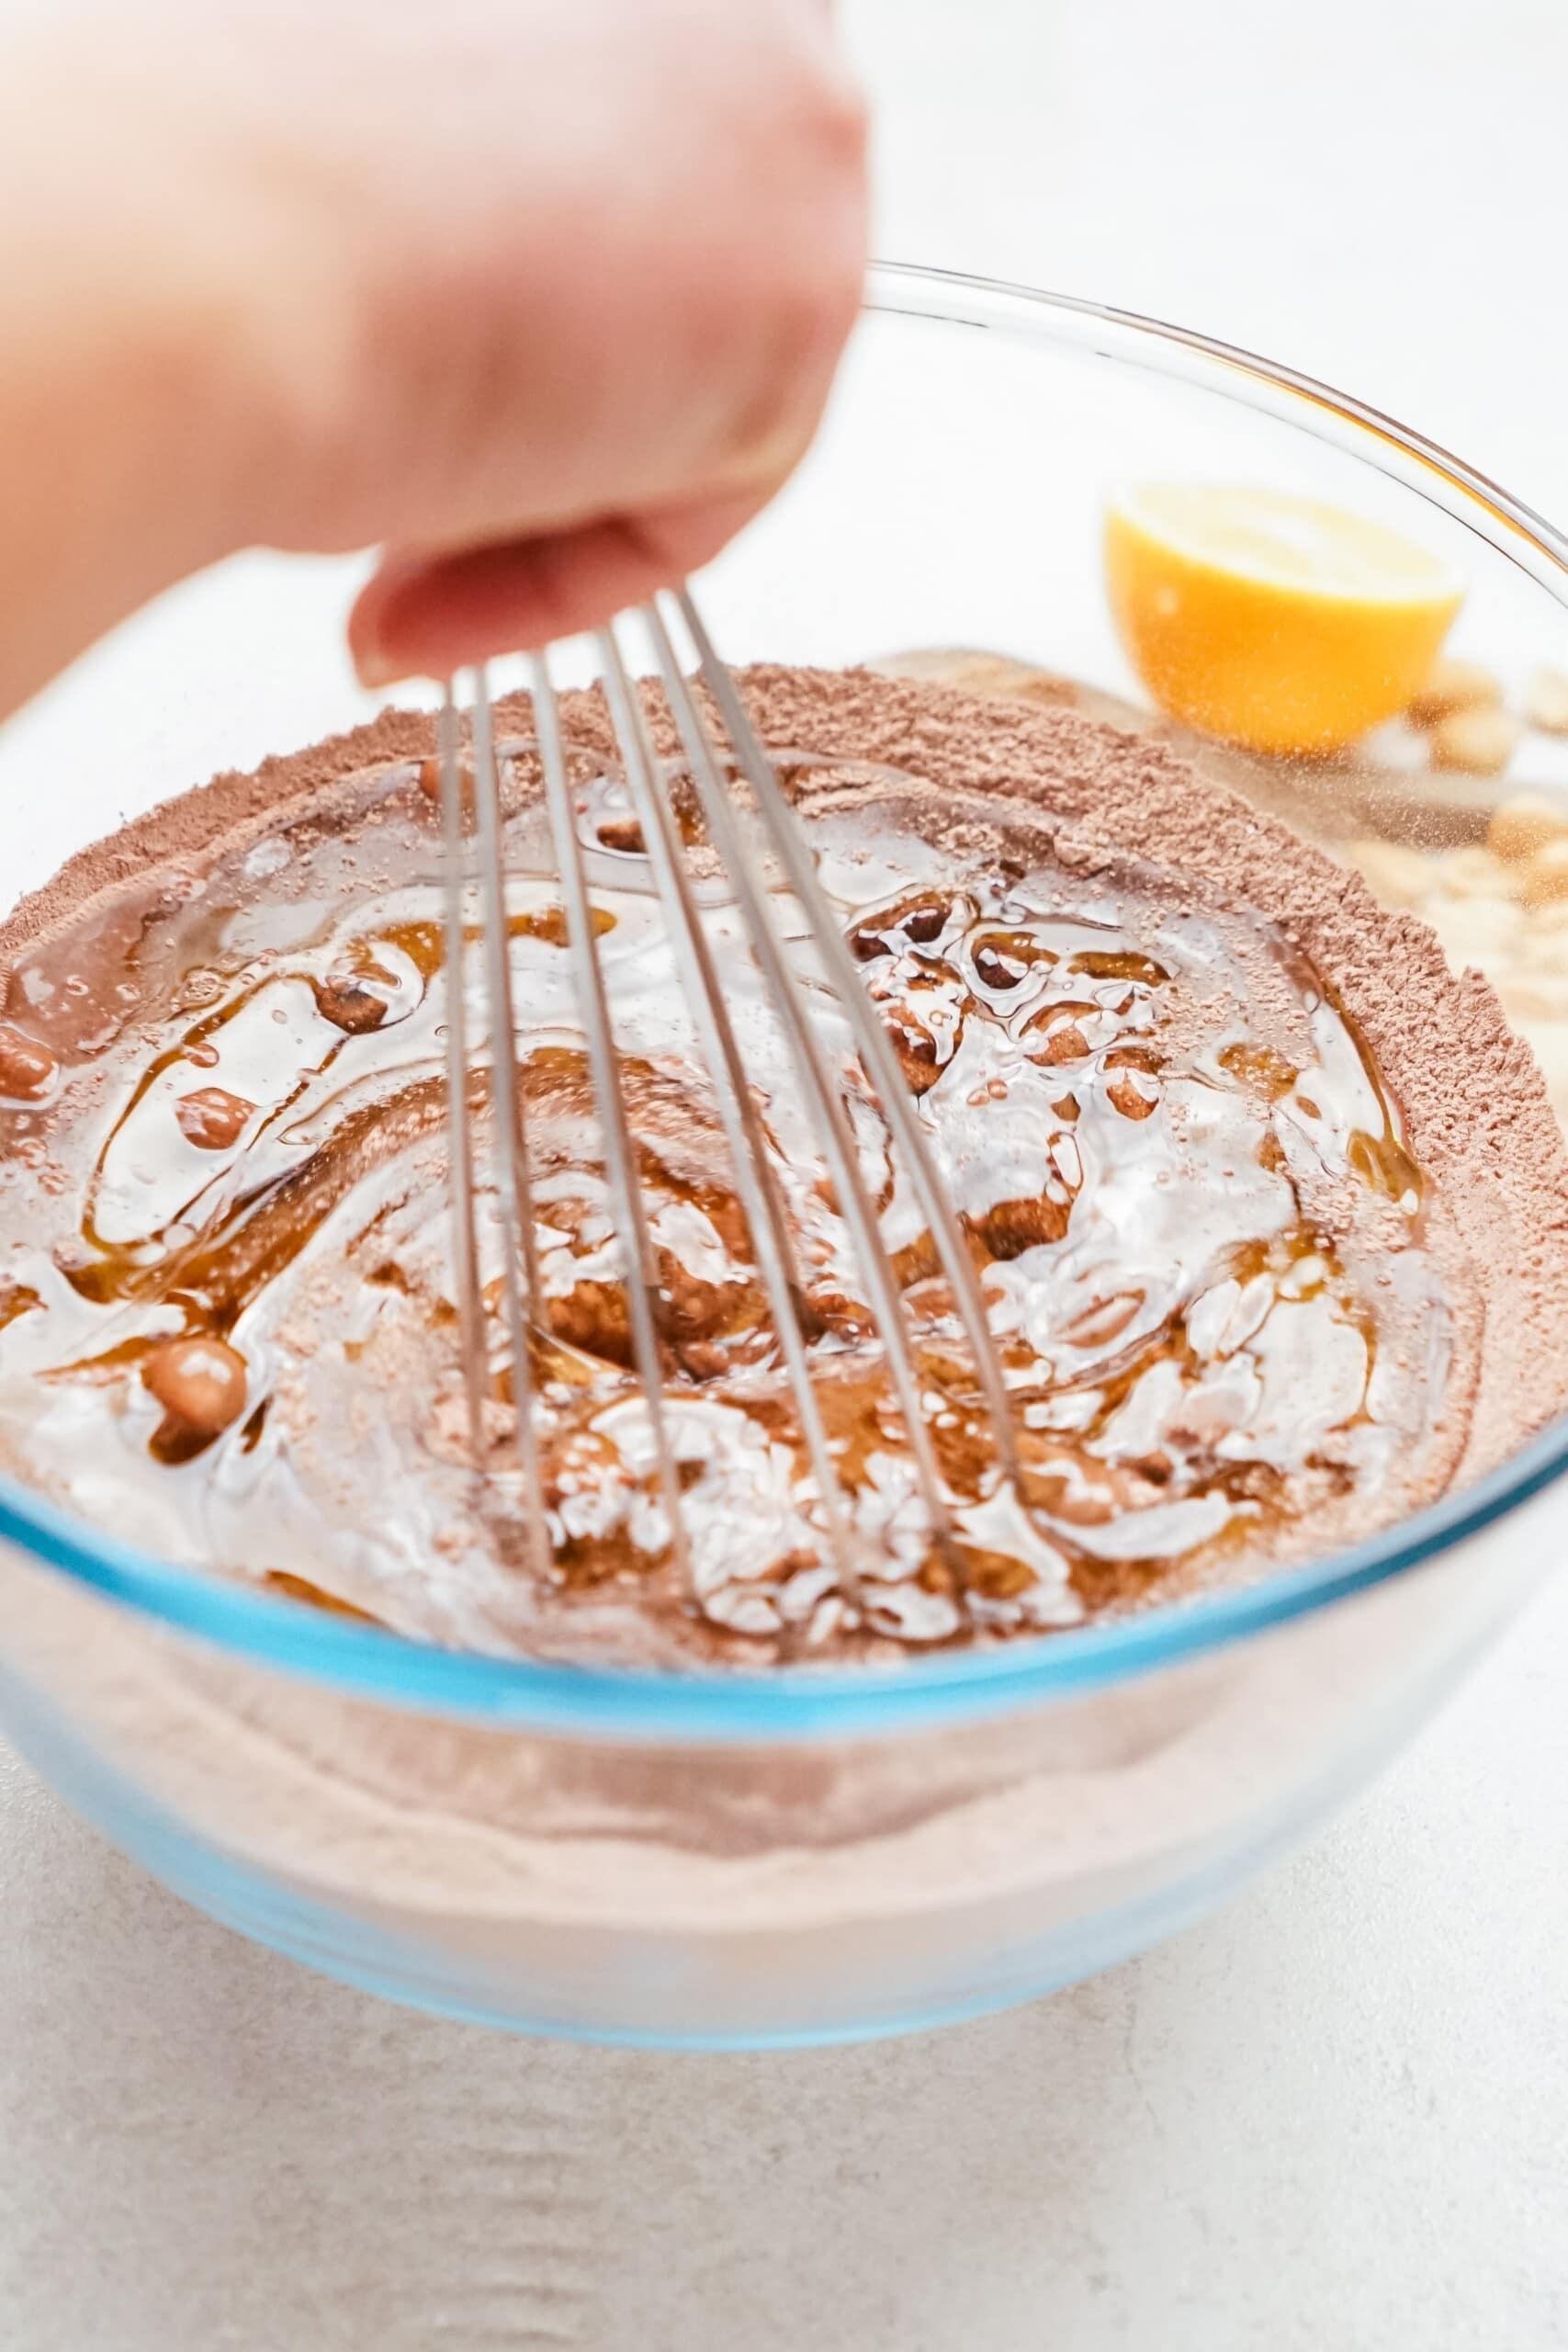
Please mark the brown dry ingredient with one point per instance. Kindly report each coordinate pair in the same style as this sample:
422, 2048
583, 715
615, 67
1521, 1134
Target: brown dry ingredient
1432, 1221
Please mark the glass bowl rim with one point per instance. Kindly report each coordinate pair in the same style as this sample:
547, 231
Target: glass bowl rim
747, 1705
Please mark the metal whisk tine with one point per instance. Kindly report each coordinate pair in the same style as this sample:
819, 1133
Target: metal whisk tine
465, 1248
514, 1194
756, 848
620, 1165
756, 1186
817, 1081
794, 852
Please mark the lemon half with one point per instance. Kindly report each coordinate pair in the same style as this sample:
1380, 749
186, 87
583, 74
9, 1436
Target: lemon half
1274, 621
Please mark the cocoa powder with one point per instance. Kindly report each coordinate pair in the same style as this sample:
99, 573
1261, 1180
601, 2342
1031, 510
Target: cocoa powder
1088, 798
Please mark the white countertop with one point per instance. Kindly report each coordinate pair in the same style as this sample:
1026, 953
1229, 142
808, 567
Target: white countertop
1335, 2117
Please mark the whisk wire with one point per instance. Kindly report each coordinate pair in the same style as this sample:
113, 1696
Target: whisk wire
822, 1093
639, 1264
794, 852
465, 1250
748, 846
519, 1264
756, 1186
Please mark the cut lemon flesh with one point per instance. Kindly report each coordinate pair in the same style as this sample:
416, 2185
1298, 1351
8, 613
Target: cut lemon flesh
1275, 621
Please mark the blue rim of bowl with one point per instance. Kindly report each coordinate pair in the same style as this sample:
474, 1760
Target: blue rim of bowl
747, 1705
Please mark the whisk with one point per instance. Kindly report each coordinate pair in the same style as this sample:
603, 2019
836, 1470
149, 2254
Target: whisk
746, 839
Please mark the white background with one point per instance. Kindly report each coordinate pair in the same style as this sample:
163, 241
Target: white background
1335, 2117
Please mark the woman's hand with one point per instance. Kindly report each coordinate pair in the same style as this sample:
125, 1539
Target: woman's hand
543, 295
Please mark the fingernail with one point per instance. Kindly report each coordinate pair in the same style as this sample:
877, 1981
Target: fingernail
373, 670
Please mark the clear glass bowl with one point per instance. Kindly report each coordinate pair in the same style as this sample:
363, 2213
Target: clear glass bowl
735, 1859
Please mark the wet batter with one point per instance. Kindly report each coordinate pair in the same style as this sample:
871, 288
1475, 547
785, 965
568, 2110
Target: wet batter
1239, 1318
